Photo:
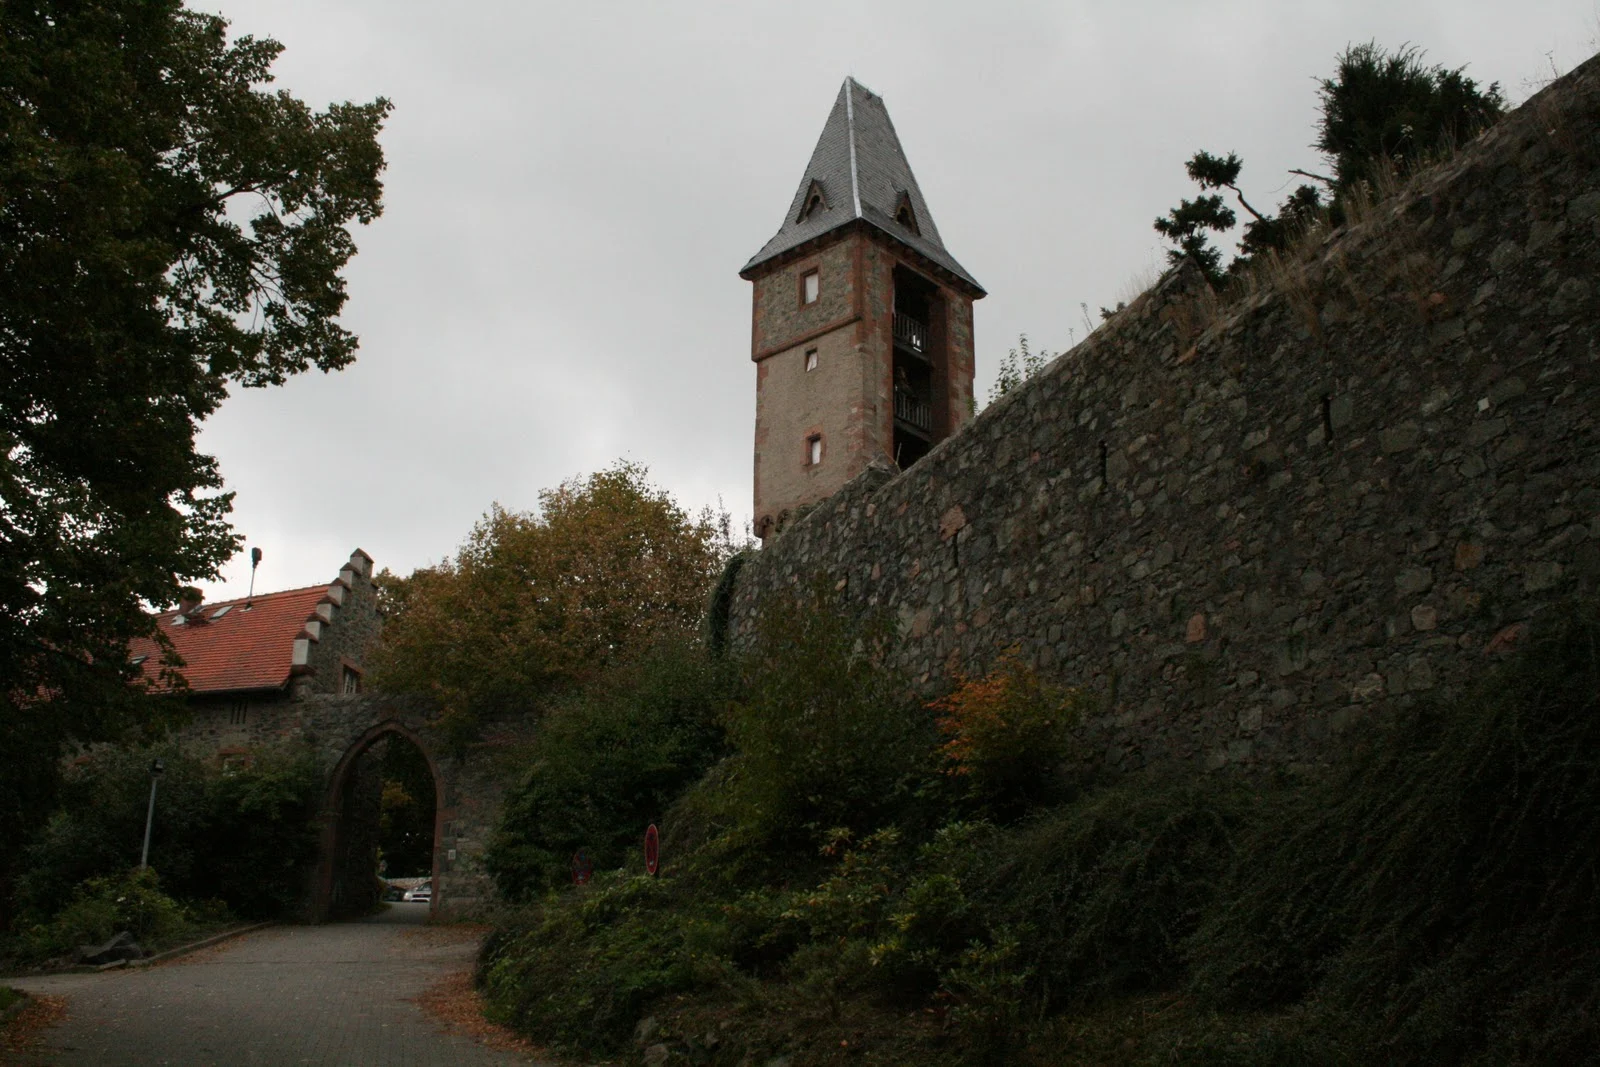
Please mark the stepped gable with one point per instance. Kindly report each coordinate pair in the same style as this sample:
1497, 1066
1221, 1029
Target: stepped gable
251, 644
862, 174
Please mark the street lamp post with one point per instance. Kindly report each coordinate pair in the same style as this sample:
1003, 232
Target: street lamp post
156, 770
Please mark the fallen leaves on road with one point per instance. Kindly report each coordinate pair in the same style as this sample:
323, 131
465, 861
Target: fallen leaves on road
24, 1033
456, 1007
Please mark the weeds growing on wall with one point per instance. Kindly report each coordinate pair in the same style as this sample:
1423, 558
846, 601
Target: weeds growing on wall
1435, 900
1447, 888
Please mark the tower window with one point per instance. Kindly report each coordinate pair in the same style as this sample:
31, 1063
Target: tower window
350, 681
810, 287
811, 359
814, 450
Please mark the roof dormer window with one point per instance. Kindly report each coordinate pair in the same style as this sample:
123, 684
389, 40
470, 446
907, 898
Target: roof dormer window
905, 214
815, 200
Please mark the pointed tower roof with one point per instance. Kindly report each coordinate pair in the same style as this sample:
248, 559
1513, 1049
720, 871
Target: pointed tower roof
858, 172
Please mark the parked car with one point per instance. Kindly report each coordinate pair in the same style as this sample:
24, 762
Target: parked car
423, 892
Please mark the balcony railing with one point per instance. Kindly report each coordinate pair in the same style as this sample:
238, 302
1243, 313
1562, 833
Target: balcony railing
913, 411
911, 333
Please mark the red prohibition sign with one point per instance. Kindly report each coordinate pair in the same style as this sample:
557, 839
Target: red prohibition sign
652, 849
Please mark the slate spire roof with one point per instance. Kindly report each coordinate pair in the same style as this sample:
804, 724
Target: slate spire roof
861, 171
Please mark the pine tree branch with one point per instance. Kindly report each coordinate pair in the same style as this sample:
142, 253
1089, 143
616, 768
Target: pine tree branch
1315, 177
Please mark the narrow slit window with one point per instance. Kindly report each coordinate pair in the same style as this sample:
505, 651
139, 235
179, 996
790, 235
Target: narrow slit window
811, 359
810, 287
814, 450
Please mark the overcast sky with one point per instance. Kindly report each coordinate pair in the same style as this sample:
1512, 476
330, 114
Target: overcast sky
572, 188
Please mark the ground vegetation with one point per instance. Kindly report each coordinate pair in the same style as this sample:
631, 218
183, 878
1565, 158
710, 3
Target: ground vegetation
1432, 896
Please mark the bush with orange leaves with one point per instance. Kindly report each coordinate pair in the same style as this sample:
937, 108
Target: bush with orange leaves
1007, 733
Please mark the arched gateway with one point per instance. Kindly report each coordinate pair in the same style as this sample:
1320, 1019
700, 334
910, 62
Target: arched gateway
285, 670
345, 882
343, 732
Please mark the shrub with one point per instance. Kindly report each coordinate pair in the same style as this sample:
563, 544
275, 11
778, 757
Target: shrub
607, 762
262, 834
243, 835
1108, 888
99, 827
825, 736
578, 968
1007, 734
101, 907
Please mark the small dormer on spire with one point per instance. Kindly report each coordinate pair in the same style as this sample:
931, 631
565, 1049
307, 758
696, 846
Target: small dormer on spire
816, 199
905, 213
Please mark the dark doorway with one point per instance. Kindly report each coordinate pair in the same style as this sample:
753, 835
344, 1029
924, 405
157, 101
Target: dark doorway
406, 810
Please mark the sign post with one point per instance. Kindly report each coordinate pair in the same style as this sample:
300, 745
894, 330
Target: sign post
652, 850
582, 868
157, 769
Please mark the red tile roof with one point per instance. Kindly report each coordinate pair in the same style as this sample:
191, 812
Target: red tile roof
248, 646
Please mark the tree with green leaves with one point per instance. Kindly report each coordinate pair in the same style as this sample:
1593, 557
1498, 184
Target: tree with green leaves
1190, 225
168, 228
533, 602
1391, 108
1379, 108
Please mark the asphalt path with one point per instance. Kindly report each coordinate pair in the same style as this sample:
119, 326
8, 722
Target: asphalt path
338, 995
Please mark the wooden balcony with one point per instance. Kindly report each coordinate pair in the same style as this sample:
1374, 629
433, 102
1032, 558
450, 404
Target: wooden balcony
913, 411
910, 333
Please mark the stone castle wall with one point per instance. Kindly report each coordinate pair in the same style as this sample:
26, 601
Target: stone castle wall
1242, 527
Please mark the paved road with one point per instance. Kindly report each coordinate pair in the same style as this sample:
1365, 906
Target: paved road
333, 996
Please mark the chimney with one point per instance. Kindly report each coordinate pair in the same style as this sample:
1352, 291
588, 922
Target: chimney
189, 601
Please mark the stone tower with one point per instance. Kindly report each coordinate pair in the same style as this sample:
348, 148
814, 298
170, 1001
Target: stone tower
862, 323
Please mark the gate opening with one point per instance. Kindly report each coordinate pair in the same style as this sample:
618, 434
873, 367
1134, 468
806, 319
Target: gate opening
381, 827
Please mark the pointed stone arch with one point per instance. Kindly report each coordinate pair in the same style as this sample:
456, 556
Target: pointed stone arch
333, 815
